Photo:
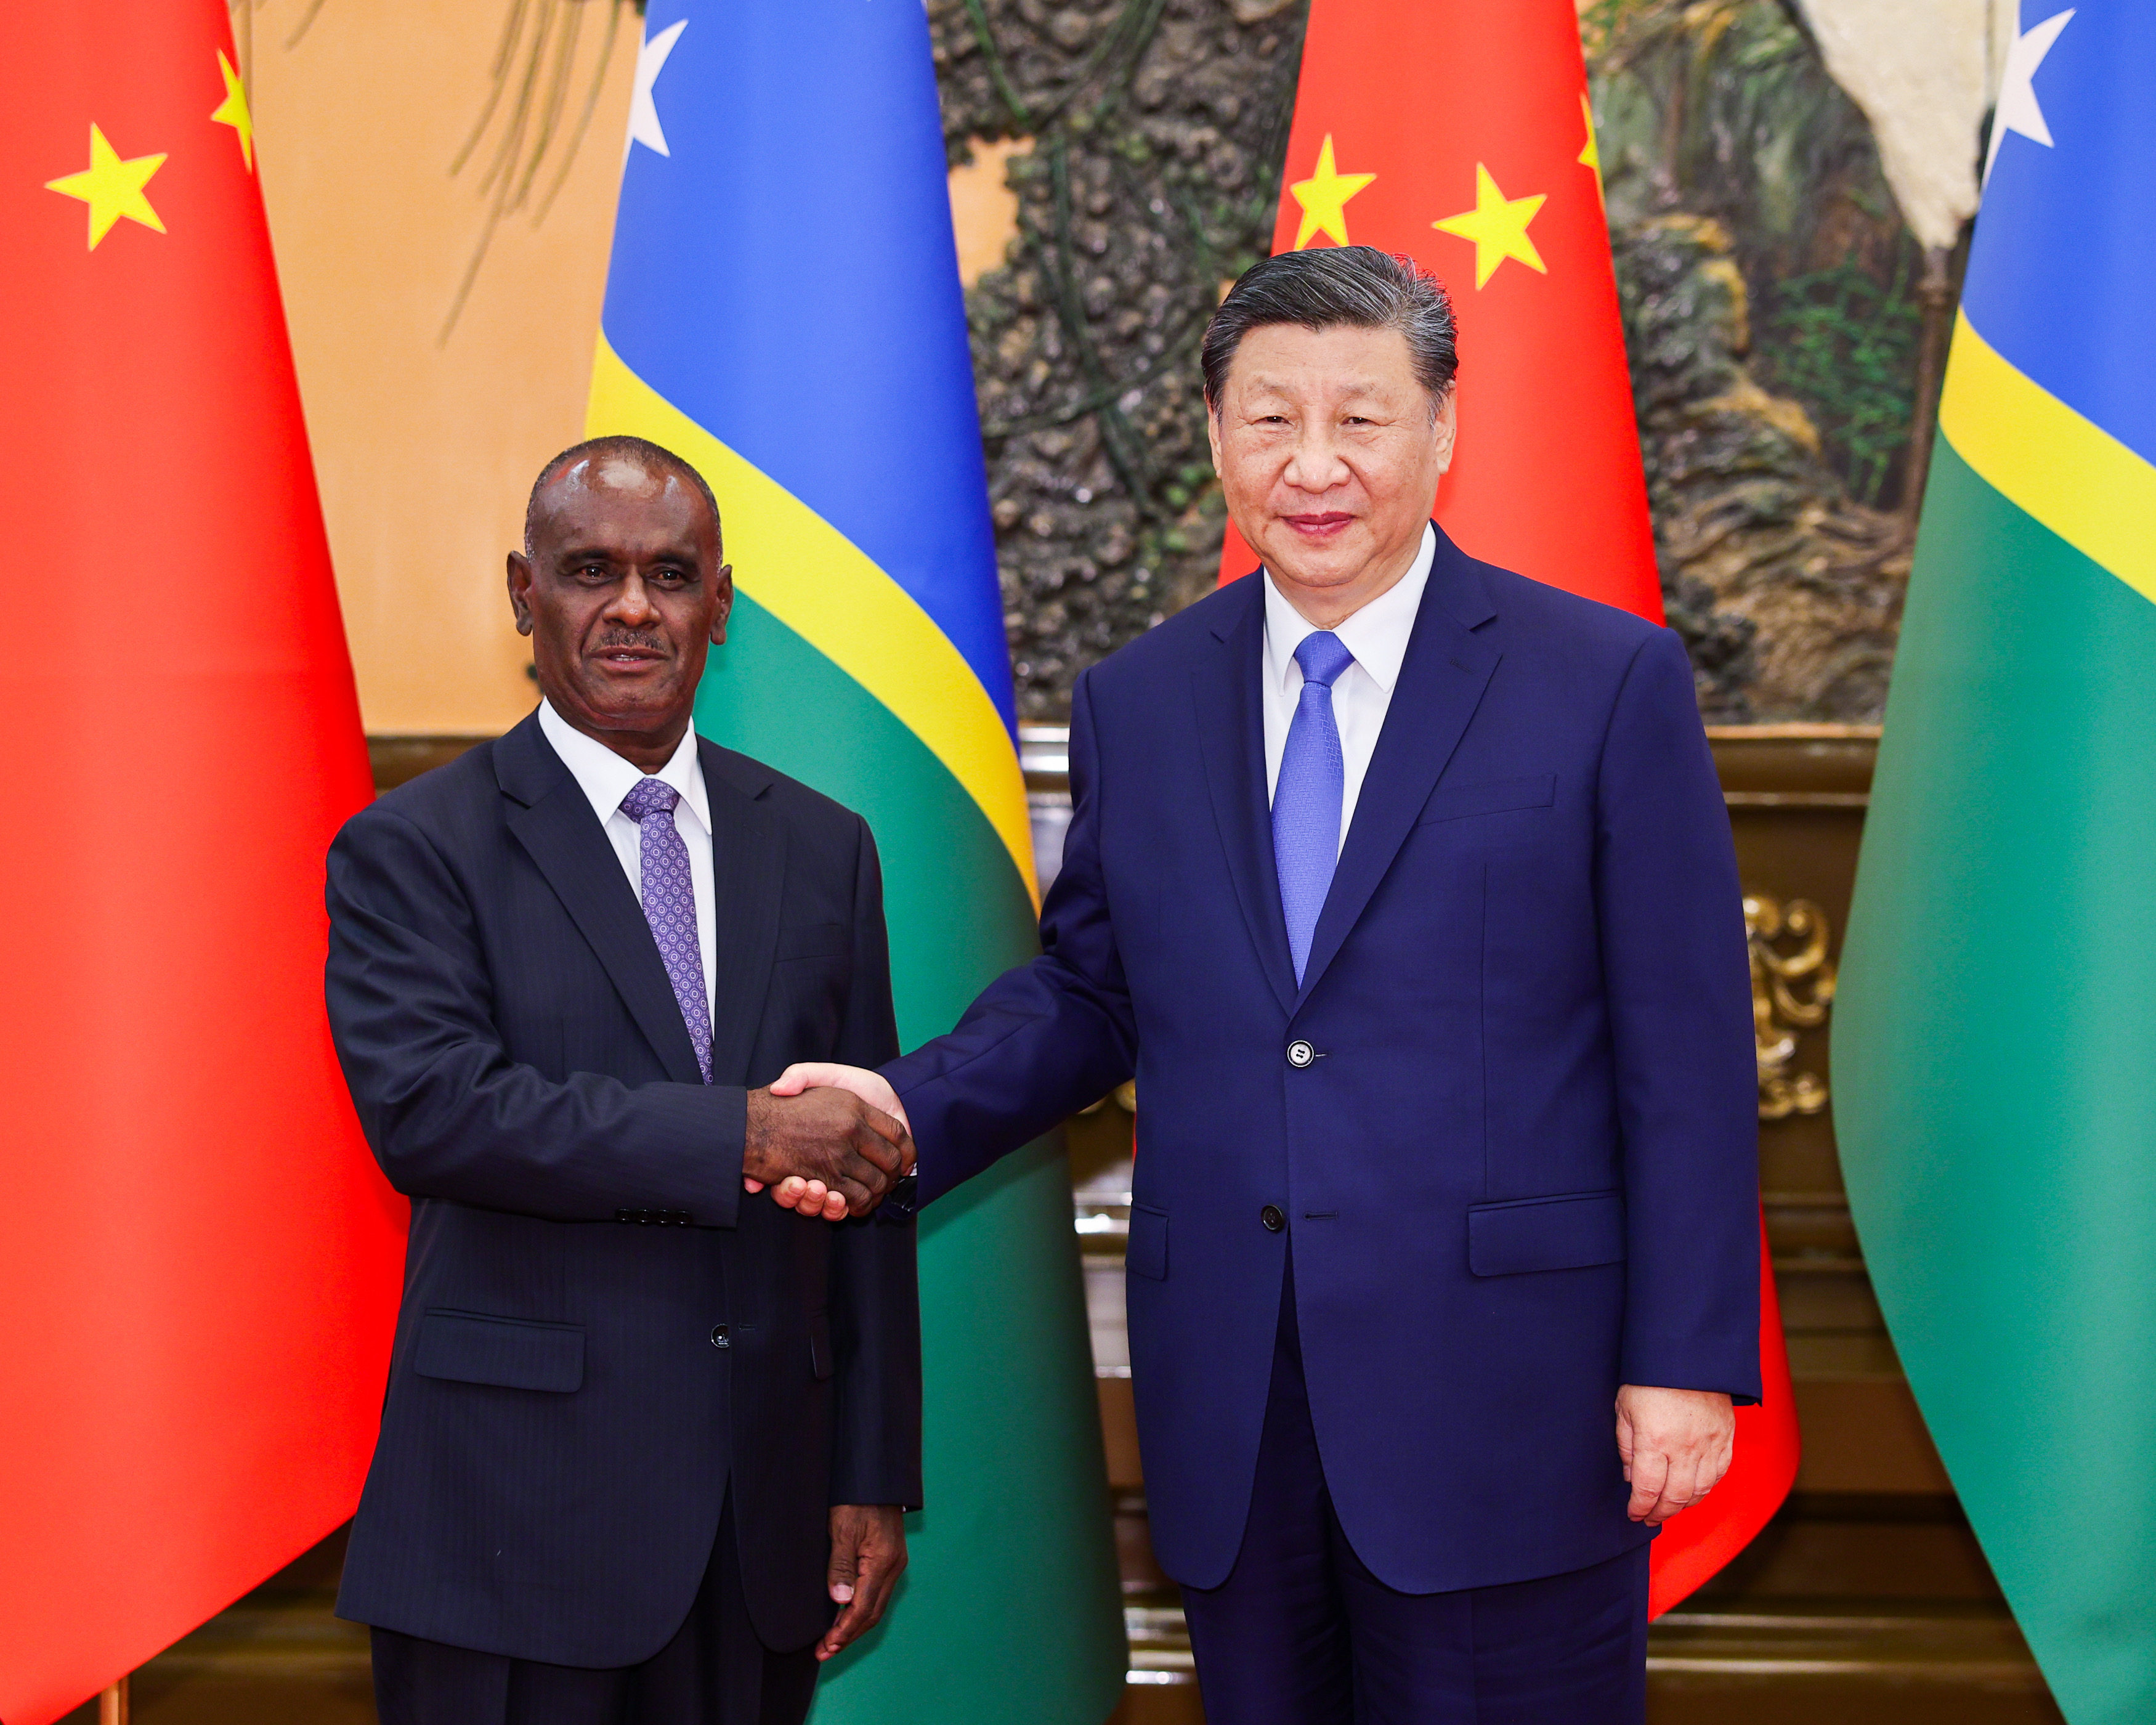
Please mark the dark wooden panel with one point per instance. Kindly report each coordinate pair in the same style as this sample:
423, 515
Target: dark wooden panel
1119, 1427
1864, 1434
396, 759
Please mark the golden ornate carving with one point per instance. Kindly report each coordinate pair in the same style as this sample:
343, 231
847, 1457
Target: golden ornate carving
1124, 1096
1792, 987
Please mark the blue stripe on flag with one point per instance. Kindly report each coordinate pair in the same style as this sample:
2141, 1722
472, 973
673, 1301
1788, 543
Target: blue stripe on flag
761, 216
2060, 275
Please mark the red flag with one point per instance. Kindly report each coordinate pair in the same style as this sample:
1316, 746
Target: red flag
198, 1260
1459, 133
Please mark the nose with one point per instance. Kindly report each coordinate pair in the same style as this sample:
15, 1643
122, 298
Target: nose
1316, 465
632, 604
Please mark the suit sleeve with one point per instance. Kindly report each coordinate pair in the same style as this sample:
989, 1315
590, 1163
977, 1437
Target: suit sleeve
1043, 1039
875, 1311
449, 1114
1677, 980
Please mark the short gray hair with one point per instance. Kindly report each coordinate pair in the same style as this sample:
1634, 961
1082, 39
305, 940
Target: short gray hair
1324, 288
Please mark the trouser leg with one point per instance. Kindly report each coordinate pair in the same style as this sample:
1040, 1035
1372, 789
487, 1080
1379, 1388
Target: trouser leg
716, 1670
1270, 1641
1560, 1650
422, 1682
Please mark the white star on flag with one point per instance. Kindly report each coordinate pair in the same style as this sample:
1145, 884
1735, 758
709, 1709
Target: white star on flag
2019, 110
644, 126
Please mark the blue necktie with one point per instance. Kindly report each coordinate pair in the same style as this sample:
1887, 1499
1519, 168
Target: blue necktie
670, 906
1308, 796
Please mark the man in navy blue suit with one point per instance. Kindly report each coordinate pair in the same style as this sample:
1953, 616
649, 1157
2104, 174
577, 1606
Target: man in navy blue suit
648, 1440
1404, 886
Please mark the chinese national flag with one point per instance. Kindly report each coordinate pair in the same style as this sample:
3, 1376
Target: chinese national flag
198, 1261
1459, 132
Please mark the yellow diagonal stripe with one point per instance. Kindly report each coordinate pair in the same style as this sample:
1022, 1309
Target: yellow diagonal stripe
2051, 462
825, 588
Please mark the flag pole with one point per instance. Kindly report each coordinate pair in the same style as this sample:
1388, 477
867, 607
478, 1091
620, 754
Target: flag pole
112, 1706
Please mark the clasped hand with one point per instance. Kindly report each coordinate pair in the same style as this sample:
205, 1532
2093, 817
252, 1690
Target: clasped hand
824, 1146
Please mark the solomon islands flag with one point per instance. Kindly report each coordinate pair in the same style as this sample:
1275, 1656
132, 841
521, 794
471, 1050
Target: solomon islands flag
783, 308
1995, 1050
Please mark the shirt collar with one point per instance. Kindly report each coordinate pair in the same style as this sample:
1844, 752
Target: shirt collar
1377, 635
605, 778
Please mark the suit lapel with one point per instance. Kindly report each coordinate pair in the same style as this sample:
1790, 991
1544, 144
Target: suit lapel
559, 832
748, 876
1231, 732
1447, 667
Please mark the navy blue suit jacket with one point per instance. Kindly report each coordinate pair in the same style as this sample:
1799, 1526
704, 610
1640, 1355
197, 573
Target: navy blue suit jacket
1519, 1168
560, 1427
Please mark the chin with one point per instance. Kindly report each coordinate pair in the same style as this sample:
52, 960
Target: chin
1319, 565
635, 711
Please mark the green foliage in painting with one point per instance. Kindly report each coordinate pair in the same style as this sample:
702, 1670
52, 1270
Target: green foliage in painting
1845, 344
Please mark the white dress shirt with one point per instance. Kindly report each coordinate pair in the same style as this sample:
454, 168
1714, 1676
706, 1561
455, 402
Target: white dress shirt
1377, 636
605, 778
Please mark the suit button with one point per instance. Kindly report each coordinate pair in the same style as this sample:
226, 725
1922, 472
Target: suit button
720, 1338
1271, 1217
1301, 1054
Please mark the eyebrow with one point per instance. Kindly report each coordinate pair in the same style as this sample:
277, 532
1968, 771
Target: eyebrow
603, 554
1262, 384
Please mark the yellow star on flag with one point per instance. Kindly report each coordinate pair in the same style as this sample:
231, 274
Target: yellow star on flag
1324, 199
232, 111
1498, 226
1590, 155
111, 187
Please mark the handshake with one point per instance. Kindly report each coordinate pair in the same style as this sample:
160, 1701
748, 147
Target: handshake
827, 1140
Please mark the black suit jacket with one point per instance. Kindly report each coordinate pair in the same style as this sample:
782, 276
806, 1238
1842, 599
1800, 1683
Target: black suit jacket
561, 1419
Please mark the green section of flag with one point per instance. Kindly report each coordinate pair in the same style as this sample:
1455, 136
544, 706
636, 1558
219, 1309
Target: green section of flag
1010, 1610
1994, 1054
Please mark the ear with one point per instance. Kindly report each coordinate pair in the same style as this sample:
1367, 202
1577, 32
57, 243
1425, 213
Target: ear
723, 582
520, 591
1446, 428
1213, 435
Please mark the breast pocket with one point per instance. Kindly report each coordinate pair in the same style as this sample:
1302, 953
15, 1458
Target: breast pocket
514, 1353
812, 940
1499, 796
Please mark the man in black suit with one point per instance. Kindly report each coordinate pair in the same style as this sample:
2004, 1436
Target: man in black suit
644, 1429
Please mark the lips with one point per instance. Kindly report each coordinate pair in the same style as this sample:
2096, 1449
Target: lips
1320, 526
628, 653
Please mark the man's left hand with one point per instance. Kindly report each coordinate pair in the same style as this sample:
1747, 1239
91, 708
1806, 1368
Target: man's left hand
868, 1555
1675, 1444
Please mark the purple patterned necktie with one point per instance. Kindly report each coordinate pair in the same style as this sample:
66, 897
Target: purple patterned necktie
670, 906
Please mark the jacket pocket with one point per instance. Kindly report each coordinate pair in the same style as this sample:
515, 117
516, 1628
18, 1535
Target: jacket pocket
820, 1359
811, 940
1455, 802
470, 1348
1571, 1232
1147, 1251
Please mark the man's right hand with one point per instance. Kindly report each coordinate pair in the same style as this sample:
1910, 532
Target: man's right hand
830, 1138
809, 1196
